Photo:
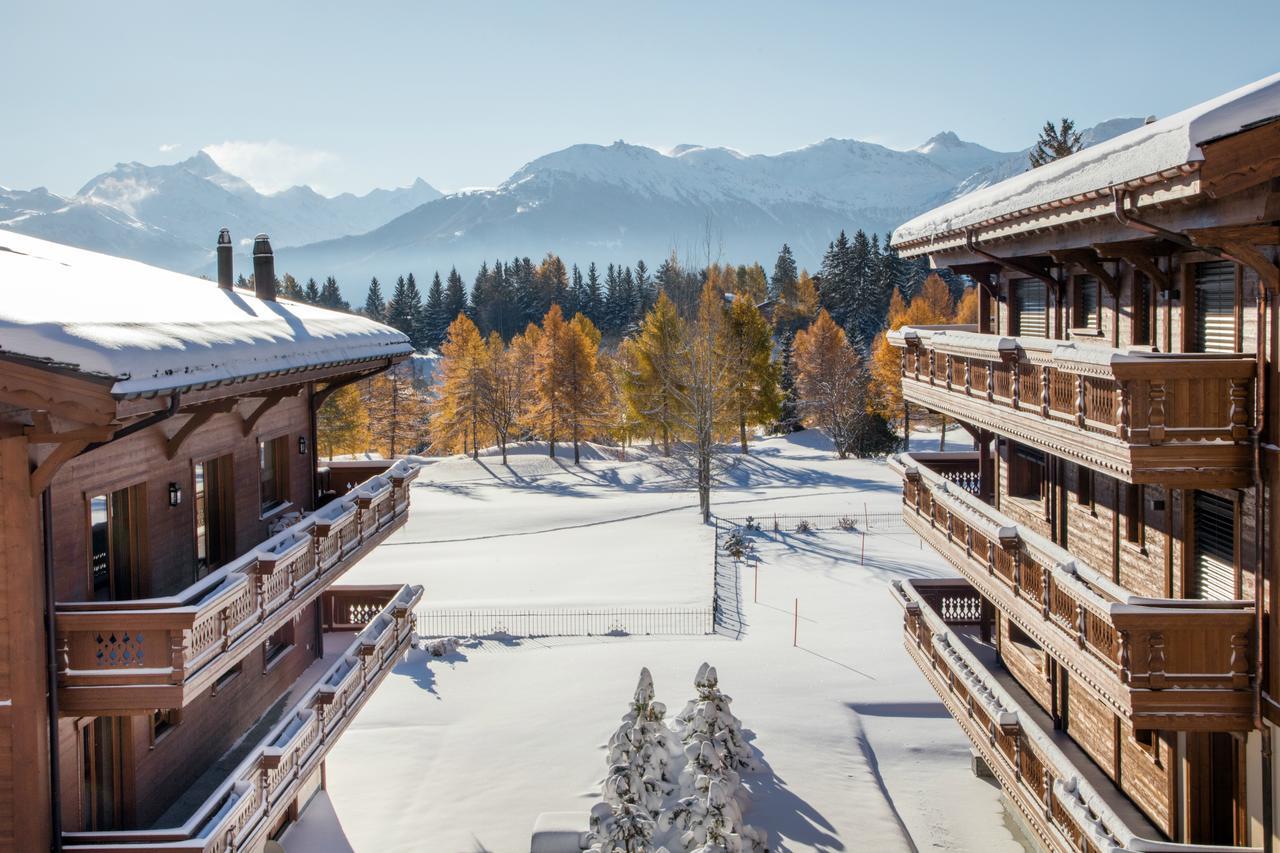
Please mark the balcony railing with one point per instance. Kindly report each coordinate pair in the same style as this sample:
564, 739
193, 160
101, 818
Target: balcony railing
1165, 663
135, 656
265, 785
1172, 418
1062, 807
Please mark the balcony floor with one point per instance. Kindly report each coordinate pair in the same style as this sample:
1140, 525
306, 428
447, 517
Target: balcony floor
1085, 767
196, 794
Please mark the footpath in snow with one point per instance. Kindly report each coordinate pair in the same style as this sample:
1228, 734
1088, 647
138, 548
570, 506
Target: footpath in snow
463, 752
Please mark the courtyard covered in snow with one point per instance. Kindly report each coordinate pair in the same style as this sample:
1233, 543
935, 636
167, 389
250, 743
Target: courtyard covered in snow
463, 752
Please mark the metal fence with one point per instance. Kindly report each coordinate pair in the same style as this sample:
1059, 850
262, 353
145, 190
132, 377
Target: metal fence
691, 621
862, 522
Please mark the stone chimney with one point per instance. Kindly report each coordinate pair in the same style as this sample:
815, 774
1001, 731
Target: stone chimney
224, 259
264, 269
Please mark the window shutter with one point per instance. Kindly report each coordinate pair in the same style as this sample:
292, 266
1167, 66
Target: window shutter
1213, 568
1215, 284
1031, 314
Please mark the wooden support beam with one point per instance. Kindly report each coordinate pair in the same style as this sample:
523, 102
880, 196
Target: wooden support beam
61, 455
1141, 255
41, 435
198, 418
1088, 258
318, 398
248, 423
1240, 243
1240, 161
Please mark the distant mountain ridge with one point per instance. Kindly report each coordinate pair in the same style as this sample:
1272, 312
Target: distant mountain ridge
170, 214
607, 203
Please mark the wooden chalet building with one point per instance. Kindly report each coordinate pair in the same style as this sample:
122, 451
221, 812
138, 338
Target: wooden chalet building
1110, 646
175, 658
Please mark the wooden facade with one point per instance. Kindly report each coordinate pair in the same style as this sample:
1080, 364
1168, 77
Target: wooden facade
175, 659
1111, 648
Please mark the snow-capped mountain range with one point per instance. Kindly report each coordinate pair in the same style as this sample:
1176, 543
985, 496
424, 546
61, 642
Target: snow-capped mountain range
607, 203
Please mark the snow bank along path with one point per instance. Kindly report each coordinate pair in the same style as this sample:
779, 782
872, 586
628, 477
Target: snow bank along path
463, 752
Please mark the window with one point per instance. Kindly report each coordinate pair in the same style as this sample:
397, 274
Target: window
1084, 486
280, 641
1146, 738
1141, 309
1088, 310
1133, 513
214, 506
163, 721
1215, 307
1213, 570
273, 472
115, 543
1030, 311
227, 677
1026, 473
100, 768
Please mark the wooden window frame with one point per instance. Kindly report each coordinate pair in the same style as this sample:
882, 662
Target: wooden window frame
280, 475
138, 538
162, 723
87, 750
1134, 512
1015, 313
272, 655
1187, 292
1020, 461
1079, 324
228, 545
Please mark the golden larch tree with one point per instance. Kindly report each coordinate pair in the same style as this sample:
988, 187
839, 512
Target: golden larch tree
458, 412
753, 375
829, 381
342, 424
651, 382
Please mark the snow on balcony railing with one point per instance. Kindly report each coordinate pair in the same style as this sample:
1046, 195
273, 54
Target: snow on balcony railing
264, 784
1135, 395
1017, 741
1145, 642
190, 636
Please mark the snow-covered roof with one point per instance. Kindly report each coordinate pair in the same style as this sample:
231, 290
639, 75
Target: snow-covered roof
1155, 148
152, 330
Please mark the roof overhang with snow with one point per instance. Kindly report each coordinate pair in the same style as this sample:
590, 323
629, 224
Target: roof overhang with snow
149, 331
1157, 163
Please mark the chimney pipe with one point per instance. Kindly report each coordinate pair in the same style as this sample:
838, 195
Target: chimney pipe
264, 269
224, 259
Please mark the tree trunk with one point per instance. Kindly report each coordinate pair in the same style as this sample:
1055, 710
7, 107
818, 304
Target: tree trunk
942, 436
576, 458
742, 433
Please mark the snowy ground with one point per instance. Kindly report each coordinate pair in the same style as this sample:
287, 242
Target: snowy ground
462, 753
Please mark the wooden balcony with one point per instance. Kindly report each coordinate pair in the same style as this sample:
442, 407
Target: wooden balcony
128, 657
1164, 663
266, 785
1063, 797
1179, 419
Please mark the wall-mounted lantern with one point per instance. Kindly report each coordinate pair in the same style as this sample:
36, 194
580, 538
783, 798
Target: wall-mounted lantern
175, 494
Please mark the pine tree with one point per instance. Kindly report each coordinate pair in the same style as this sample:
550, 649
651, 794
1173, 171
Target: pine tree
552, 282
434, 321
374, 305
837, 292
342, 423
404, 311
331, 296
594, 309
1055, 143
752, 374
646, 292
312, 293
576, 300
455, 298
784, 274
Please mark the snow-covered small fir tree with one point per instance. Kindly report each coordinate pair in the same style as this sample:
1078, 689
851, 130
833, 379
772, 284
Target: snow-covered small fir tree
641, 753
708, 718
624, 828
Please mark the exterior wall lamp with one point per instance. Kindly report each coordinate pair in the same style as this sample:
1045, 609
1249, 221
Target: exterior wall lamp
175, 494
302, 445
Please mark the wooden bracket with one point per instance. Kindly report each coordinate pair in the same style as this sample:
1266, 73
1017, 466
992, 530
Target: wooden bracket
318, 398
61, 455
41, 434
1088, 258
198, 418
248, 423
1239, 243
1141, 255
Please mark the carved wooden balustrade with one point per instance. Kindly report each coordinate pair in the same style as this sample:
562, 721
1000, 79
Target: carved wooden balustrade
1064, 810
1165, 663
135, 656
265, 784
1181, 419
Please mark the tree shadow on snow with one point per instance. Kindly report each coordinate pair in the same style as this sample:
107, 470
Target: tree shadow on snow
418, 663
792, 822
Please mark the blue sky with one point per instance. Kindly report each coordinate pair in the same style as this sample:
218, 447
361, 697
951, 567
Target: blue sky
349, 96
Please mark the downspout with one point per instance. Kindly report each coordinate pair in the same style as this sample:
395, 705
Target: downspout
1120, 197
1260, 569
55, 781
